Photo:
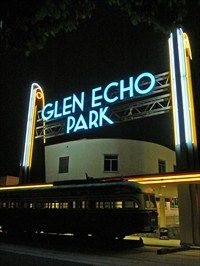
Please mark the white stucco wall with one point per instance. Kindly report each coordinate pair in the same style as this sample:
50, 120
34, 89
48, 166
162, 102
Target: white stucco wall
87, 156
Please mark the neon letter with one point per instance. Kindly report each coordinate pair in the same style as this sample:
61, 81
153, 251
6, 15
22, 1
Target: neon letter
56, 114
93, 117
102, 116
81, 124
66, 106
46, 115
110, 100
123, 89
150, 87
80, 103
70, 123
95, 98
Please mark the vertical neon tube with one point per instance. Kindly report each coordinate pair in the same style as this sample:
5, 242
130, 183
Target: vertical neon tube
188, 57
36, 94
29, 128
40, 96
184, 89
174, 91
32, 137
183, 102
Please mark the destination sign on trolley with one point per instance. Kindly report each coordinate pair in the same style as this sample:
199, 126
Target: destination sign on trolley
75, 108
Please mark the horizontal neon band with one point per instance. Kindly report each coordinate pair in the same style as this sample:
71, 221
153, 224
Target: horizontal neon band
180, 180
165, 177
26, 187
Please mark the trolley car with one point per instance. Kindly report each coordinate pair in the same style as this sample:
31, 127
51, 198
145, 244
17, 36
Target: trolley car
101, 209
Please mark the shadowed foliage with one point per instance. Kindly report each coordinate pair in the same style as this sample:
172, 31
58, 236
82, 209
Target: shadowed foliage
27, 25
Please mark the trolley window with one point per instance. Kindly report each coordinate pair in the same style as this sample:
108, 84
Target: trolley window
118, 204
150, 201
131, 204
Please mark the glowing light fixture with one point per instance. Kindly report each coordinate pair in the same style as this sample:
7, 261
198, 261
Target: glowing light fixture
27, 187
168, 178
36, 95
184, 88
182, 95
188, 57
180, 180
174, 91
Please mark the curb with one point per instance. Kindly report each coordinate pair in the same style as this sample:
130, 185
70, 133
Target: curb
163, 251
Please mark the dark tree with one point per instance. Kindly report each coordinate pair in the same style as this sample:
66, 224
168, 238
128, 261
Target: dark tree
26, 25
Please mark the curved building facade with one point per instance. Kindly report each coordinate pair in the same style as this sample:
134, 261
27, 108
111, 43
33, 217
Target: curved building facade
106, 158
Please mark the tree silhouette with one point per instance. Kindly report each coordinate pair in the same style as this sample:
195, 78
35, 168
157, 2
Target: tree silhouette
27, 25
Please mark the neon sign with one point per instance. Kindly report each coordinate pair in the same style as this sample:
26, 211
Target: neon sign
100, 97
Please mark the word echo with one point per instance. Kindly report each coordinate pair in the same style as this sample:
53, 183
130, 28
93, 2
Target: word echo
98, 116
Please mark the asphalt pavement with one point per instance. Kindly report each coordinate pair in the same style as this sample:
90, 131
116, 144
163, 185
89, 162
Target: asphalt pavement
62, 251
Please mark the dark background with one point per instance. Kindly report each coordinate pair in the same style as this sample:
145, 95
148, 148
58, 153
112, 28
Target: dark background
105, 48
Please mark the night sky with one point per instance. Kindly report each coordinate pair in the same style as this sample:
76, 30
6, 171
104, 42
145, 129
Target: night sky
103, 49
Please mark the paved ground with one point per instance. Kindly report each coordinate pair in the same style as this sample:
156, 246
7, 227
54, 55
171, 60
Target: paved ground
60, 252
157, 242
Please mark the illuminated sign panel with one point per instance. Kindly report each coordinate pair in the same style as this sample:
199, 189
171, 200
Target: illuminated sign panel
98, 114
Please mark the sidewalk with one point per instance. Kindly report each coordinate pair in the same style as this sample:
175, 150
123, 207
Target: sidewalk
150, 241
161, 242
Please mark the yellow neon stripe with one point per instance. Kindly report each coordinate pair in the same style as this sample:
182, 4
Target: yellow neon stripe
184, 89
30, 141
40, 96
25, 187
187, 46
180, 180
188, 56
32, 137
35, 96
28, 129
165, 177
43, 123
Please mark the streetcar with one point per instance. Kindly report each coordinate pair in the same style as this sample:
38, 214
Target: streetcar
112, 209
